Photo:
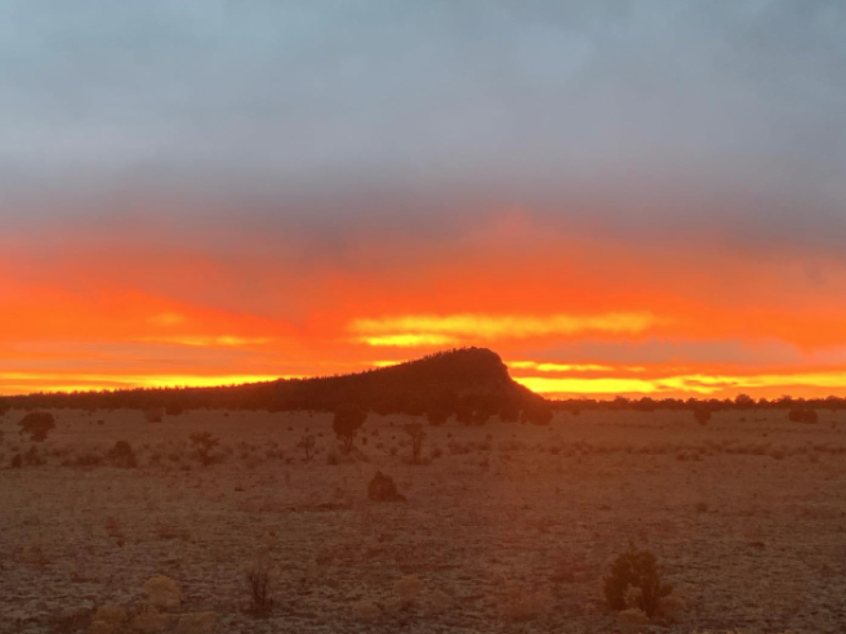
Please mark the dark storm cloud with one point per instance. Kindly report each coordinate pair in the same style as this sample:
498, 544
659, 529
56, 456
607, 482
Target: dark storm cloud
643, 117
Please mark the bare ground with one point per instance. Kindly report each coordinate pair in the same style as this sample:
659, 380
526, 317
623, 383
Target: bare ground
512, 528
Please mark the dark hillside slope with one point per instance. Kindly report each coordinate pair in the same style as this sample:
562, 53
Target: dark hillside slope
472, 383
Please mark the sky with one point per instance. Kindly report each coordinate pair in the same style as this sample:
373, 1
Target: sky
640, 197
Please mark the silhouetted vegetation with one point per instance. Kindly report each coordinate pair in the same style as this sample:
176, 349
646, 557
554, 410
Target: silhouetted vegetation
473, 379
470, 384
122, 455
37, 425
204, 444
154, 414
307, 444
347, 422
701, 415
538, 413
258, 583
417, 435
799, 415
635, 582
382, 488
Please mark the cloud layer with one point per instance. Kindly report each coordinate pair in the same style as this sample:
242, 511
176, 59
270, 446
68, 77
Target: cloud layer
223, 189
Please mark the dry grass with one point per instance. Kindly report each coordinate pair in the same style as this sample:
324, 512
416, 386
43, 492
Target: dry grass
508, 523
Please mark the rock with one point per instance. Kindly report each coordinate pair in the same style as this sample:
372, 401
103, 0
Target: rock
197, 623
162, 592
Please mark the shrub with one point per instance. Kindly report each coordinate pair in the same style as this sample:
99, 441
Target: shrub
154, 415
32, 458
174, 409
538, 414
258, 584
122, 455
204, 443
635, 582
346, 424
382, 488
37, 425
803, 415
701, 415
307, 445
418, 435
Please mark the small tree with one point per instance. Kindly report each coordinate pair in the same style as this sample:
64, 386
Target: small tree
382, 488
798, 415
122, 455
702, 415
258, 584
307, 445
635, 582
347, 423
154, 415
418, 435
538, 413
173, 409
204, 443
37, 425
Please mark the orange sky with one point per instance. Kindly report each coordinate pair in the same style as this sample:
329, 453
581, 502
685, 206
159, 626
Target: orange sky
570, 314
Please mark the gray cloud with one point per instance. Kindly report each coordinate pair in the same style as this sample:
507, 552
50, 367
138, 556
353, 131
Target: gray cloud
640, 116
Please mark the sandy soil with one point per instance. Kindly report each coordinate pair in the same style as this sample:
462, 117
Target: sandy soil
511, 528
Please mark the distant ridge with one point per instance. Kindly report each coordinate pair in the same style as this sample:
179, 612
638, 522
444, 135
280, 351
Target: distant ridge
471, 383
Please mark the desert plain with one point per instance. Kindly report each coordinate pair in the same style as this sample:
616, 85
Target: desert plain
506, 527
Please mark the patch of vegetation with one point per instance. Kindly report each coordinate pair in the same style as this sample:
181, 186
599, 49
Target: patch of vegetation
798, 415
37, 425
382, 488
258, 583
204, 444
346, 424
538, 413
154, 415
635, 582
701, 415
418, 436
122, 455
307, 444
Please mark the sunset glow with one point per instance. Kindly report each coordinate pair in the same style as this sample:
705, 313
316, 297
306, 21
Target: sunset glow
608, 220
638, 327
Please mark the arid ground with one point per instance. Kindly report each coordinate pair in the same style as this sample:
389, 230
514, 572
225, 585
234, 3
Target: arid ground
506, 527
